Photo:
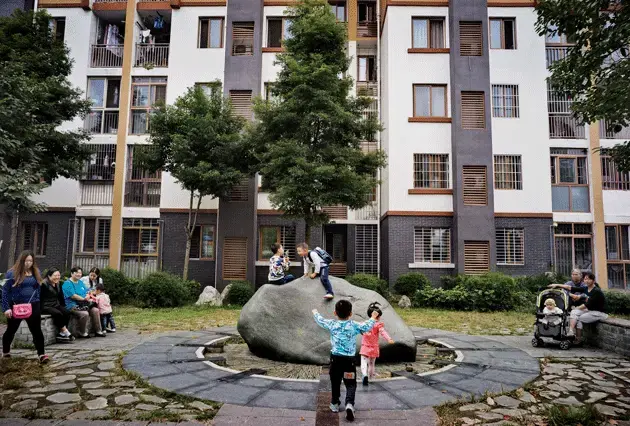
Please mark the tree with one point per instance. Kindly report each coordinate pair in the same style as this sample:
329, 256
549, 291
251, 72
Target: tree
596, 68
198, 141
308, 139
35, 99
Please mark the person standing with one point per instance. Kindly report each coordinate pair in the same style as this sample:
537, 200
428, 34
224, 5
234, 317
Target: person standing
53, 304
22, 287
81, 304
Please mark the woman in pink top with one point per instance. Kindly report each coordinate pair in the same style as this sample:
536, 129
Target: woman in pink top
369, 345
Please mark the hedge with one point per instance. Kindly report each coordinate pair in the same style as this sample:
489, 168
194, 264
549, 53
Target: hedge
239, 294
164, 290
370, 282
409, 284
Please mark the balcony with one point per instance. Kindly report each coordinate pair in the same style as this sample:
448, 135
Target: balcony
367, 88
102, 122
369, 212
555, 53
367, 29
142, 194
565, 126
95, 193
106, 56
152, 55
604, 133
88, 261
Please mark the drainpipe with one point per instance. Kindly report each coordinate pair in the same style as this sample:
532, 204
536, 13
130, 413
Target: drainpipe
378, 135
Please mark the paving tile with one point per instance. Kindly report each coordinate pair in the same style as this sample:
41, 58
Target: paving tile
14, 422
44, 422
427, 397
479, 387
508, 377
255, 382
226, 392
150, 369
234, 410
396, 385
286, 399
177, 381
298, 386
182, 353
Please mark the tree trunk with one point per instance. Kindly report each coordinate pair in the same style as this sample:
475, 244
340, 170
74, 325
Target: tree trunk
307, 232
187, 256
190, 230
15, 218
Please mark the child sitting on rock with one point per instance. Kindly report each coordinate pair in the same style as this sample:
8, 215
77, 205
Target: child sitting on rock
343, 340
278, 266
369, 344
319, 261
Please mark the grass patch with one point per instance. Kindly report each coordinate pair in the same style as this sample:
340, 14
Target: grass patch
161, 415
16, 371
573, 416
168, 319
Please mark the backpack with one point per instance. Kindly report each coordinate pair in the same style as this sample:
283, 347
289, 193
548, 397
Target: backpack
327, 258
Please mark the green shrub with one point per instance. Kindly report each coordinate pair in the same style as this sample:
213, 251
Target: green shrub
163, 290
121, 290
194, 290
370, 282
617, 302
409, 284
240, 293
536, 283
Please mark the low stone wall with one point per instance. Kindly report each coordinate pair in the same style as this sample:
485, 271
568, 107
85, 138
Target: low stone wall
48, 328
611, 334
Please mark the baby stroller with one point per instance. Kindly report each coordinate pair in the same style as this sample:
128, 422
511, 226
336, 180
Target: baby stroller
554, 329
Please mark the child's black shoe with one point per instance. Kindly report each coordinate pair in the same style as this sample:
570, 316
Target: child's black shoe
365, 381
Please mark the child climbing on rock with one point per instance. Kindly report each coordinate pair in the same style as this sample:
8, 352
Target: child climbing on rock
369, 344
319, 261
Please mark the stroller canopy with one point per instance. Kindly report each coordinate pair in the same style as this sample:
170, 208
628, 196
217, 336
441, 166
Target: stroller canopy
559, 296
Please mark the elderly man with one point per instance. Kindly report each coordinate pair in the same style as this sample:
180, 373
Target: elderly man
576, 281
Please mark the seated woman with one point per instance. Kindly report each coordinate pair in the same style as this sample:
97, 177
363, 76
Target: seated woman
91, 279
80, 304
592, 310
53, 304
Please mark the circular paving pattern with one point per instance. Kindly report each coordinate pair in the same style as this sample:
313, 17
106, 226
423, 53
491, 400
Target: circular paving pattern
177, 363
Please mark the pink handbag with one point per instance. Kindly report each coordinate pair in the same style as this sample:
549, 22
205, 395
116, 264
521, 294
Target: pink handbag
23, 310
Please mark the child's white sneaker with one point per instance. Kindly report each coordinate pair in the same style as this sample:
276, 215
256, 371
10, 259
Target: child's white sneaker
334, 408
329, 296
350, 412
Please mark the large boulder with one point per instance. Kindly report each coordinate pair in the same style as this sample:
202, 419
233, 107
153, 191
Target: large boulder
277, 323
210, 296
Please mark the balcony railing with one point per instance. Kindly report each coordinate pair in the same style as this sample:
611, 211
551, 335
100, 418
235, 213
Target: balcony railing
555, 54
604, 133
142, 194
152, 55
367, 88
95, 193
107, 56
369, 212
564, 126
110, 1
369, 146
366, 29
89, 261
139, 266
102, 122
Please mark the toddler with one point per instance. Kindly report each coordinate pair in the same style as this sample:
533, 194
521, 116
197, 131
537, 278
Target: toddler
105, 309
343, 339
369, 344
550, 311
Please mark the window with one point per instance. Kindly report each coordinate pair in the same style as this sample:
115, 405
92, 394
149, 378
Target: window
269, 235
34, 236
476, 257
431, 171
140, 247
569, 180
475, 185
470, 39
367, 11
210, 33
562, 123
104, 93
510, 246
508, 172
242, 39
432, 245
367, 68
339, 9
146, 92
278, 30
505, 100
366, 249
94, 235
618, 256
473, 111
58, 28
612, 179
573, 247
143, 187
100, 166
242, 103
502, 33
554, 37
235, 258
202, 243
269, 92
210, 89
429, 100
428, 33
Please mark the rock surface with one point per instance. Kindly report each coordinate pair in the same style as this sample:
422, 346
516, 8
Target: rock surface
210, 296
277, 322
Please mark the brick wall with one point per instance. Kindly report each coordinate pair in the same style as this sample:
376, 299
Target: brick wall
612, 335
174, 249
537, 245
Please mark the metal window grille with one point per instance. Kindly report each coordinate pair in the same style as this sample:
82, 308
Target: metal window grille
34, 237
366, 249
430, 171
562, 124
473, 110
475, 185
432, 245
612, 179
140, 246
242, 39
508, 172
470, 39
510, 246
143, 187
476, 257
606, 131
100, 165
505, 100
269, 235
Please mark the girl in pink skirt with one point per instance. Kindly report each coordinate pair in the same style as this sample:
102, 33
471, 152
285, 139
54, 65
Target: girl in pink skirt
369, 345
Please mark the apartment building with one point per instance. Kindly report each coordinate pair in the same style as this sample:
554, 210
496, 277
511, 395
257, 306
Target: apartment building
487, 170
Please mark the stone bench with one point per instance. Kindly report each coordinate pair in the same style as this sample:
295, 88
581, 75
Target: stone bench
48, 328
611, 334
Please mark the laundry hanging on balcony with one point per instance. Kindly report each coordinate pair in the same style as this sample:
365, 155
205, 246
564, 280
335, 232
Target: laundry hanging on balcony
112, 39
158, 23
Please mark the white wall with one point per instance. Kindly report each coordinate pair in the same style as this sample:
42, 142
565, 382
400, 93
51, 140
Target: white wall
527, 135
400, 70
173, 196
